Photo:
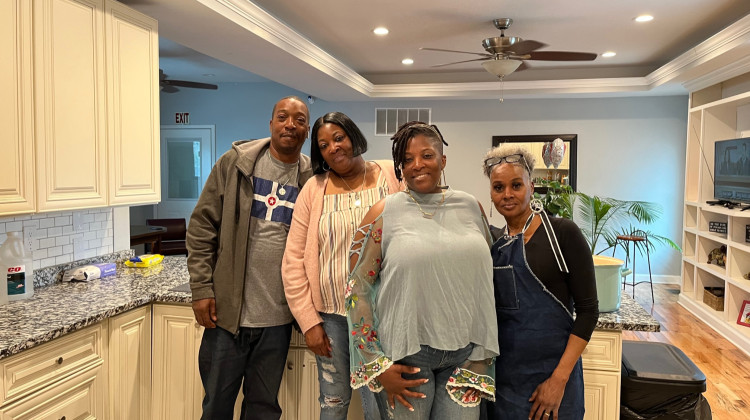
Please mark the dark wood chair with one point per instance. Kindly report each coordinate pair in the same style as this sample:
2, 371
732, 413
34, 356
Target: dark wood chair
173, 240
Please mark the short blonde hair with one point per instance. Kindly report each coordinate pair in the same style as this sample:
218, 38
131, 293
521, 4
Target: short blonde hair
507, 149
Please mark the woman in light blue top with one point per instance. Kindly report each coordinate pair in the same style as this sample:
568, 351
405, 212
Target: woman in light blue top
420, 299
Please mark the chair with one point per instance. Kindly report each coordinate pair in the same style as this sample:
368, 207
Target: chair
625, 240
173, 240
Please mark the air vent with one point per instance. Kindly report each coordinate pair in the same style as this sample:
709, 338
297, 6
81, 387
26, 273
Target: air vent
388, 120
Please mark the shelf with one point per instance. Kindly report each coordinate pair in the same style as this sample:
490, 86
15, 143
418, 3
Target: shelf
688, 277
732, 101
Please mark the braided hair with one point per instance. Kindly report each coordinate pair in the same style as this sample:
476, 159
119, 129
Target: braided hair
408, 131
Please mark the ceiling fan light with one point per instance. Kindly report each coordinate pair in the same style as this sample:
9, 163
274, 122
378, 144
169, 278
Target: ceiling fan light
502, 67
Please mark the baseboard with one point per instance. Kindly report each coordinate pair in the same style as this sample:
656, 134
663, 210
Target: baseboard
657, 278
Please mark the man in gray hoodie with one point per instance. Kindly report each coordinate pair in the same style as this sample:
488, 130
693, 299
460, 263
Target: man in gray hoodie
235, 240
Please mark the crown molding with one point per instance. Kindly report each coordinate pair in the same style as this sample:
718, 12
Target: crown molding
722, 42
729, 71
265, 26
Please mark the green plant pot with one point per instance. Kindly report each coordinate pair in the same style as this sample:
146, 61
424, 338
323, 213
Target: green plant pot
608, 282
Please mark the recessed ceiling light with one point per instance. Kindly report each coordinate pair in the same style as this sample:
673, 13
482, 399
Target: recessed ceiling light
609, 54
644, 18
407, 61
380, 30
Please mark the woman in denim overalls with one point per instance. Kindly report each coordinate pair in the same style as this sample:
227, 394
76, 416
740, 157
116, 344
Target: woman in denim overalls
542, 271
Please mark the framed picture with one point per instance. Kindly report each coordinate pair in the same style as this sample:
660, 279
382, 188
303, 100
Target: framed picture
564, 171
744, 317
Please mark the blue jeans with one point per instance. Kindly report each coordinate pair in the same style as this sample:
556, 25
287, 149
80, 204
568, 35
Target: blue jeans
258, 355
333, 375
437, 366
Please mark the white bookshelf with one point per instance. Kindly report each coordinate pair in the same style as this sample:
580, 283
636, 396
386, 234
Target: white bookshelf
718, 112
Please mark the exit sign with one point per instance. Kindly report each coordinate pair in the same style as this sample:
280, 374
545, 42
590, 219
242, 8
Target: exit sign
182, 118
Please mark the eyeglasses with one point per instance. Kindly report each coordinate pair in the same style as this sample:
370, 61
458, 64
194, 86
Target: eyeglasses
514, 158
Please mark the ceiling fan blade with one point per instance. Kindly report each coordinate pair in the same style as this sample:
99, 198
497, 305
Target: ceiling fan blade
455, 51
523, 66
188, 84
525, 47
168, 89
561, 56
459, 62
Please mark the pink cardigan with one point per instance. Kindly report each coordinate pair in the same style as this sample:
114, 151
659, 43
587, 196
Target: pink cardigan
300, 269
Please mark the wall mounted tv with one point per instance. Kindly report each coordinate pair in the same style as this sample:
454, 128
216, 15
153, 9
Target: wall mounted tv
732, 170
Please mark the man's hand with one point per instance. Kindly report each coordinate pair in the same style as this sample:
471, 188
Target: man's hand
205, 312
317, 341
398, 388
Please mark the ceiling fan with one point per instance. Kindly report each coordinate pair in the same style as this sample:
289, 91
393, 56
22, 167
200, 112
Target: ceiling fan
170, 86
508, 54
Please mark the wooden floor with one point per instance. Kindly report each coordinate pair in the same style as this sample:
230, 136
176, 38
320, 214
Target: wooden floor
727, 368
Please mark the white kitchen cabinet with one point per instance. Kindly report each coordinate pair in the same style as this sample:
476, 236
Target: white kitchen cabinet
82, 122
70, 104
79, 397
602, 360
16, 109
132, 45
130, 365
64, 377
177, 389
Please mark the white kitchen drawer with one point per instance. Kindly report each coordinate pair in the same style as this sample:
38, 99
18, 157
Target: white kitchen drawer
603, 351
78, 397
41, 366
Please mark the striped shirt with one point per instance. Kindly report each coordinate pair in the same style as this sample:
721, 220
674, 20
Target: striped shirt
338, 222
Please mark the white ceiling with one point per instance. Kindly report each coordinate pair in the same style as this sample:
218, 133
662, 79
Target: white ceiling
326, 48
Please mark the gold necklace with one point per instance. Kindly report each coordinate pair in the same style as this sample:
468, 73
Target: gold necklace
425, 214
357, 199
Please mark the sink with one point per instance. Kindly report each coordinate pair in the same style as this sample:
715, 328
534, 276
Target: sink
184, 288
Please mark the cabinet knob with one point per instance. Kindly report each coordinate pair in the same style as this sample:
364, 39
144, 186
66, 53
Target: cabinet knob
59, 362
290, 365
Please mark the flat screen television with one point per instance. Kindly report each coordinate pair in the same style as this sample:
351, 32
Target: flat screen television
732, 170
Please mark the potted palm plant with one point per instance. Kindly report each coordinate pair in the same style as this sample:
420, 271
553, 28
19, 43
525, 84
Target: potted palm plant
601, 220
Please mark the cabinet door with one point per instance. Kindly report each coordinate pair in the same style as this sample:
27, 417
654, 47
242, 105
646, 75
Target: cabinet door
79, 397
130, 365
177, 390
133, 106
16, 109
69, 89
309, 389
601, 395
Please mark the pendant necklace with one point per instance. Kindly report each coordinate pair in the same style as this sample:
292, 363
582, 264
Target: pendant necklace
282, 190
357, 199
425, 214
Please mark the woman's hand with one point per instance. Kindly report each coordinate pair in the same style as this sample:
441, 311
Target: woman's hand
317, 341
547, 398
398, 388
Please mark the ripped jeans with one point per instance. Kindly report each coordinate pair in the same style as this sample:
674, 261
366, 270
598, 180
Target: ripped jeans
333, 375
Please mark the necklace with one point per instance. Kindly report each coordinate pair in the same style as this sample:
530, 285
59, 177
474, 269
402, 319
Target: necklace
425, 214
357, 199
282, 189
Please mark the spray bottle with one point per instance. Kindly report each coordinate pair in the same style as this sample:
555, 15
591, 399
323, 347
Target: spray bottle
16, 268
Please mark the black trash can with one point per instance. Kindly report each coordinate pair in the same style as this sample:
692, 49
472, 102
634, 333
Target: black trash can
660, 382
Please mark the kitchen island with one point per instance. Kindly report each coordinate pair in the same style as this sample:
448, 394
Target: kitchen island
64, 309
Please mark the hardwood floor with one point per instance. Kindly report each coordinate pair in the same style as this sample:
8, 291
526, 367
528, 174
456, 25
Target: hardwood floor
727, 368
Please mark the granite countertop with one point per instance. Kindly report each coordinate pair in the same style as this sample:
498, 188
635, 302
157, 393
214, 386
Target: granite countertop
61, 308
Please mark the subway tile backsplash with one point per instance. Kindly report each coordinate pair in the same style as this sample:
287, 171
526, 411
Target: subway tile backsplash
56, 240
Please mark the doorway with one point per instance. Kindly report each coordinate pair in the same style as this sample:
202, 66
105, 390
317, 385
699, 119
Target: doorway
187, 156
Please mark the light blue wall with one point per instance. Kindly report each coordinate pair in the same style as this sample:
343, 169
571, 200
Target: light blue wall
628, 148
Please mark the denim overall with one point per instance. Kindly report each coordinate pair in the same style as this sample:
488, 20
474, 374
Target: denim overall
533, 330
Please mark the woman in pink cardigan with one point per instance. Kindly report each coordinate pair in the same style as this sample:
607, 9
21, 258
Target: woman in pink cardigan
315, 266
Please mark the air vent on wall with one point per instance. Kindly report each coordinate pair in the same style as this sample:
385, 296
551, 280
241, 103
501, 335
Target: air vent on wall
387, 120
